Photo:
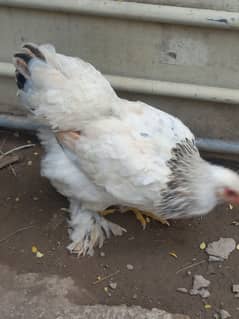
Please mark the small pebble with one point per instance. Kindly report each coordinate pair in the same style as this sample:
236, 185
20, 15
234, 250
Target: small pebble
29, 163
102, 254
129, 267
183, 290
35, 198
200, 282
113, 285
235, 288
189, 273
223, 314
35, 153
214, 258
199, 285
204, 293
17, 199
135, 296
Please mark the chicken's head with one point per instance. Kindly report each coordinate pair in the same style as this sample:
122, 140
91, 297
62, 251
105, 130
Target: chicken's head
226, 185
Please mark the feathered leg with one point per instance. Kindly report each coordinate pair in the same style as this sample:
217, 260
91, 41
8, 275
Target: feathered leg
88, 230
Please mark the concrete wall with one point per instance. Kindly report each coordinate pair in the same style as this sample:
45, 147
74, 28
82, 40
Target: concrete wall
159, 51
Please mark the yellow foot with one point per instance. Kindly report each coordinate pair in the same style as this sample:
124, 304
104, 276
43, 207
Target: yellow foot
140, 217
143, 221
107, 211
159, 219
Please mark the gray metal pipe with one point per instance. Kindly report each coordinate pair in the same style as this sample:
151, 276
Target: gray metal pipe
164, 88
19, 123
218, 146
6, 69
135, 11
207, 145
174, 89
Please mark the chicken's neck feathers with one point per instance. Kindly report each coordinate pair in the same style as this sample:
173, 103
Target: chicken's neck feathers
194, 184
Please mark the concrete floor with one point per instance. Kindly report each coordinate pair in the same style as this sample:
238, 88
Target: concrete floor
32, 296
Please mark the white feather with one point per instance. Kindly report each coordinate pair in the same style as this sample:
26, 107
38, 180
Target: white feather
122, 155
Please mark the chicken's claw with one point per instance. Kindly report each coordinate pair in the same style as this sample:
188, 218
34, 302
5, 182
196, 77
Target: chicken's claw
107, 211
140, 216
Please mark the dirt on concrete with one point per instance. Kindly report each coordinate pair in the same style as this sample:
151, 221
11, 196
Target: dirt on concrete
32, 214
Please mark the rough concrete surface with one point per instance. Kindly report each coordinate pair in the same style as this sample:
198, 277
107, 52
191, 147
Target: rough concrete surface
34, 296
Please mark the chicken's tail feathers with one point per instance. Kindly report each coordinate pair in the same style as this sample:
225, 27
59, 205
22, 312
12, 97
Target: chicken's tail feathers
30, 52
34, 51
22, 61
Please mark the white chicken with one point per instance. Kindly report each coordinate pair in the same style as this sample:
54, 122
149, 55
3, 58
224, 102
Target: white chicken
102, 150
